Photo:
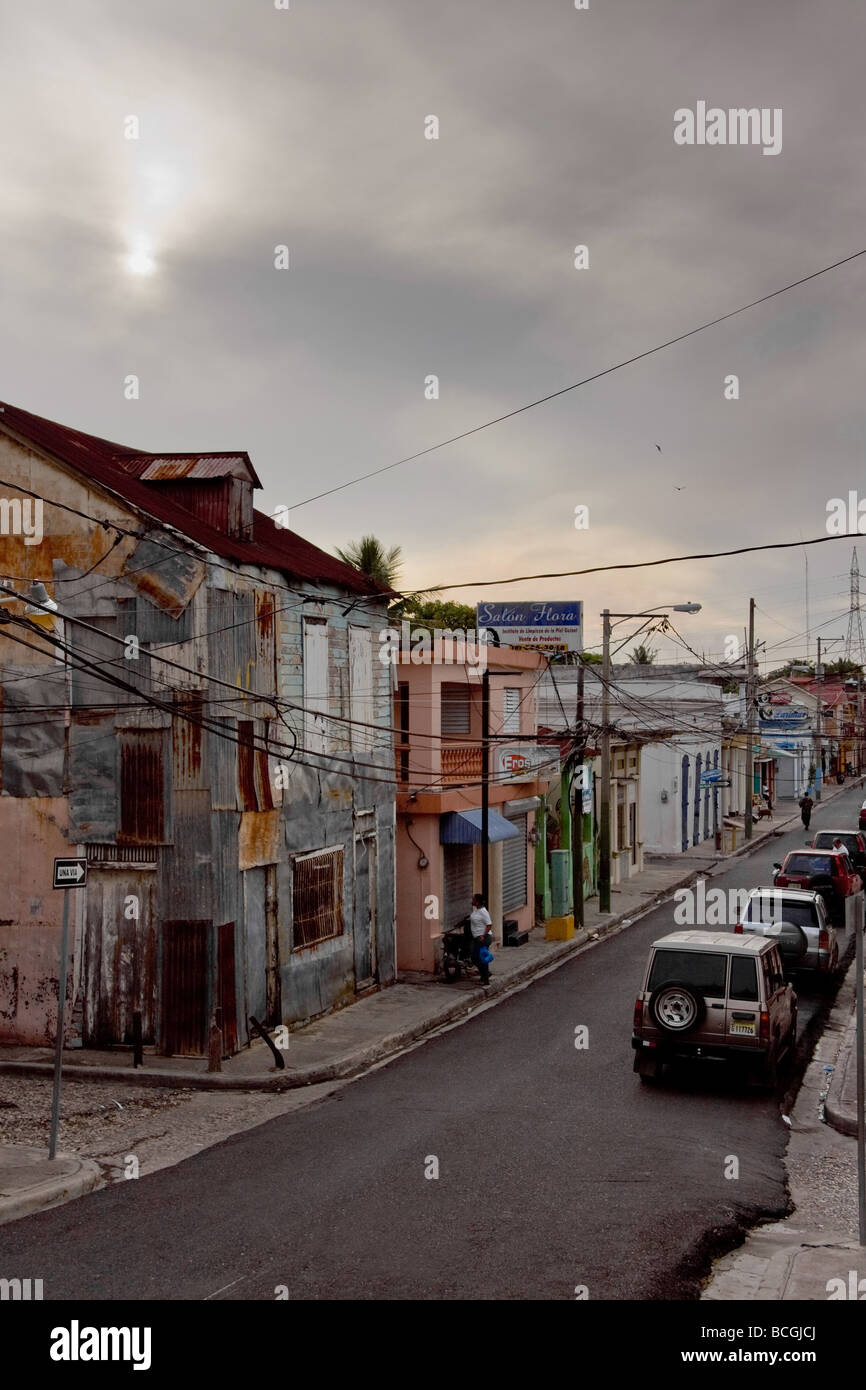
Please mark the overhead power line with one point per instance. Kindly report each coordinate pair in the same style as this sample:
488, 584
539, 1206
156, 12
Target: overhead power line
596, 376
633, 564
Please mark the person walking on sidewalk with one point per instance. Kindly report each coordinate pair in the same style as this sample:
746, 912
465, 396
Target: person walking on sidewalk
806, 805
480, 925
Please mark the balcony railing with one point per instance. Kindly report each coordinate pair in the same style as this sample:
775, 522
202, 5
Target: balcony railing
459, 763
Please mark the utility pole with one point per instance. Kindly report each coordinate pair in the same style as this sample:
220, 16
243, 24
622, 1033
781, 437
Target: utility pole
819, 755
604, 828
577, 813
861, 1078
750, 720
485, 787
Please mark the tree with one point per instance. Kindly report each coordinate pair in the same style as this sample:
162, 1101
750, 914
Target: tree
371, 557
843, 668
642, 656
439, 613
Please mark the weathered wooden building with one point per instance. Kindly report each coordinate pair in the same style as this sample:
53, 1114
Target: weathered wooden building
196, 719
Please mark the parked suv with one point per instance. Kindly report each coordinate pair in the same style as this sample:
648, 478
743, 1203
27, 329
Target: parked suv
829, 872
852, 840
798, 920
714, 996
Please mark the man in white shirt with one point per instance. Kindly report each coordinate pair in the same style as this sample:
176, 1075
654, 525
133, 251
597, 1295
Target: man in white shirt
480, 924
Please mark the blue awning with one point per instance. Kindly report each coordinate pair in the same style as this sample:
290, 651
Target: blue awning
464, 828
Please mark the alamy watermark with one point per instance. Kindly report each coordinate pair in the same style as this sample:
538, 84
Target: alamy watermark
418, 646
22, 518
737, 126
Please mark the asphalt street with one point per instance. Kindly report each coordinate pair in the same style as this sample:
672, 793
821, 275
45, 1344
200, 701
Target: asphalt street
557, 1171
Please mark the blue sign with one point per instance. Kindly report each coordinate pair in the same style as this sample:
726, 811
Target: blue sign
554, 626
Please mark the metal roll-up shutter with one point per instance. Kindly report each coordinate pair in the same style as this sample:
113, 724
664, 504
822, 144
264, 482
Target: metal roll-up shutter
457, 879
514, 886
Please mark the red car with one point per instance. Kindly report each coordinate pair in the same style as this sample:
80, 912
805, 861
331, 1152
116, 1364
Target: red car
827, 871
863, 816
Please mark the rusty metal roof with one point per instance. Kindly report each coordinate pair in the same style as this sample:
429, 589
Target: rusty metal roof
114, 466
151, 468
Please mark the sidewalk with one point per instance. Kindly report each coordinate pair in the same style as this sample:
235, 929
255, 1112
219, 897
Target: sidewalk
345, 1043
29, 1182
798, 1258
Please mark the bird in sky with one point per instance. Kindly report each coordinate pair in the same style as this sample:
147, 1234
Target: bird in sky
659, 447
679, 489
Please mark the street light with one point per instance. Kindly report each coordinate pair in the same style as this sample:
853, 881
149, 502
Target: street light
604, 835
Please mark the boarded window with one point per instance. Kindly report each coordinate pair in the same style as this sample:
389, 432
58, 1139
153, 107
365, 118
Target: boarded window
142, 787
254, 780
362, 703
455, 708
315, 684
401, 722
246, 766
511, 715
317, 897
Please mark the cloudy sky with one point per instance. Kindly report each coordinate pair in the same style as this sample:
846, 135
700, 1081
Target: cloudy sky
455, 257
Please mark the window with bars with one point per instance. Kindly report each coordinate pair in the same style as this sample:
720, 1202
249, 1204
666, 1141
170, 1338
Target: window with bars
317, 897
511, 713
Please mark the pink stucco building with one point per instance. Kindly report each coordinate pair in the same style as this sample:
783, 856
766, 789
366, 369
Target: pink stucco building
438, 751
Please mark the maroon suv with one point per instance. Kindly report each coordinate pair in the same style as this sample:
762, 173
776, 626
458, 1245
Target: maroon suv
828, 872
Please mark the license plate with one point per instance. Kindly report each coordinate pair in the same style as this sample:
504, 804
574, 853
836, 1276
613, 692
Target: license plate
740, 1027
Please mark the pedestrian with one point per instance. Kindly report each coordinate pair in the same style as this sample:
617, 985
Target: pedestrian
806, 805
480, 925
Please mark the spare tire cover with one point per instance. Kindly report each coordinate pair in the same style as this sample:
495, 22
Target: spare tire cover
793, 944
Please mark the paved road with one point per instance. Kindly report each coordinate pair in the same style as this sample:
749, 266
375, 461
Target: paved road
557, 1169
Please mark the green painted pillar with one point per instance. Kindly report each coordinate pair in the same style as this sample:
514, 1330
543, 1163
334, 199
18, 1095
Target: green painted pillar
565, 823
542, 868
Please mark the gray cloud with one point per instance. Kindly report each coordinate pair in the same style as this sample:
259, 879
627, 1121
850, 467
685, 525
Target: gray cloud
454, 257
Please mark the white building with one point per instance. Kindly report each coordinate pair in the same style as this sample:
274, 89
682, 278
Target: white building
675, 714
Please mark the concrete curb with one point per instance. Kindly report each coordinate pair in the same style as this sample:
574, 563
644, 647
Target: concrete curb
352, 1063
763, 1267
52, 1191
360, 1059
837, 1114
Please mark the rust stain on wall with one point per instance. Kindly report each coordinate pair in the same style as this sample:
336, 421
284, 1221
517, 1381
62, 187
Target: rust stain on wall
258, 839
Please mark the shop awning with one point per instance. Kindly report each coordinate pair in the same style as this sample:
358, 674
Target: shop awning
464, 828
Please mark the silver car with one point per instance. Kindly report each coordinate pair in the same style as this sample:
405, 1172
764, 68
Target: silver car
798, 919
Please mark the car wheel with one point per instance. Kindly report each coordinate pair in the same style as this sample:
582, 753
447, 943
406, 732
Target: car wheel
766, 1074
791, 1045
649, 1069
677, 1008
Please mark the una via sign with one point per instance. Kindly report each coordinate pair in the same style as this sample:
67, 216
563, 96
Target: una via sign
70, 873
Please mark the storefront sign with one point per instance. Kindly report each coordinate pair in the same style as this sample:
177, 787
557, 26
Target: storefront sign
544, 625
524, 764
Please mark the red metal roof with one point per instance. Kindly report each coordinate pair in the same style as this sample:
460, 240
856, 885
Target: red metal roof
115, 466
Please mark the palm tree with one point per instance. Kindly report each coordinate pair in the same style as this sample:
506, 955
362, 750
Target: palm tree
371, 557
642, 656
